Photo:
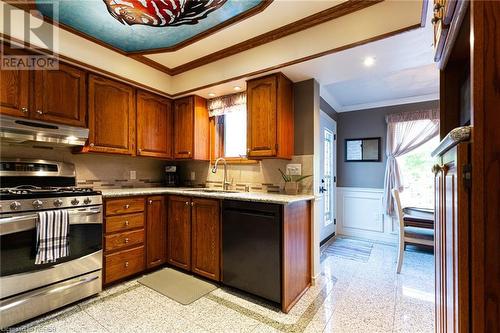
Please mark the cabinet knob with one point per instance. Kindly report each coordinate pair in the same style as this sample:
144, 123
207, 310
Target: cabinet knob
187, 203
125, 240
126, 263
40, 112
192, 203
24, 110
150, 202
91, 145
436, 168
126, 223
127, 206
139, 150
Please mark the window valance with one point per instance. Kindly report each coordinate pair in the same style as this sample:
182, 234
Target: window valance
432, 114
229, 103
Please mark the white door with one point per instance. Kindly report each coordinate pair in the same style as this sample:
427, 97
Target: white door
328, 175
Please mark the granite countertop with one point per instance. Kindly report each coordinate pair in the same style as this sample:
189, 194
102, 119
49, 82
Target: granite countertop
243, 196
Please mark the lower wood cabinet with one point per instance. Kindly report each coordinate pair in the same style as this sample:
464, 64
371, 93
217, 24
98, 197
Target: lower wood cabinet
205, 238
156, 239
194, 235
135, 236
179, 231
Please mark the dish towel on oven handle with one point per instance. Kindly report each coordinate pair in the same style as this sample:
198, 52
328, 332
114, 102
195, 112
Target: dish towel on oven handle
52, 236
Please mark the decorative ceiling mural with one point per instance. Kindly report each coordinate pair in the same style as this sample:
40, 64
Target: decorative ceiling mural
143, 26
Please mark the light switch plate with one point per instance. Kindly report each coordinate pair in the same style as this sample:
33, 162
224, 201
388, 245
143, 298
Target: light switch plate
294, 169
133, 174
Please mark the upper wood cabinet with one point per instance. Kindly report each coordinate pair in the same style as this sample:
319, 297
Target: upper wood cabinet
205, 241
156, 233
270, 122
111, 107
154, 125
60, 96
191, 129
14, 91
179, 231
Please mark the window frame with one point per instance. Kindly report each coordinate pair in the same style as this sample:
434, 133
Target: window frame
217, 143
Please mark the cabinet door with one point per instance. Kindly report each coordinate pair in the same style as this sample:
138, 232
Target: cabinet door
111, 116
14, 92
179, 231
156, 234
59, 96
205, 246
184, 128
154, 125
261, 114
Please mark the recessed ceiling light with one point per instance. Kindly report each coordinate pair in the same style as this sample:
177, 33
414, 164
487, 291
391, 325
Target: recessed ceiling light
237, 88
369, 61
211, 94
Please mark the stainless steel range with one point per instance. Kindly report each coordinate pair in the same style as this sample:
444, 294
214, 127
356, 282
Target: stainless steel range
28, 289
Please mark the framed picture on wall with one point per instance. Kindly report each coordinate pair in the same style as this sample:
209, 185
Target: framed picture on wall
362, 150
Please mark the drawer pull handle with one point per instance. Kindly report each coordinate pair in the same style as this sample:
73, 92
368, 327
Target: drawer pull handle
126, 263
126, 240
127, 206
126, 223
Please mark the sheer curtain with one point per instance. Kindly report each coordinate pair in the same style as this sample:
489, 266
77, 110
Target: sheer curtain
405, 132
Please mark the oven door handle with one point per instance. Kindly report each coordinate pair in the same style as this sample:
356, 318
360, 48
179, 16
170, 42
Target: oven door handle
13, 224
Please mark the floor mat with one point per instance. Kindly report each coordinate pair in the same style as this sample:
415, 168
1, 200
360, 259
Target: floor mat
180, 287
350, 249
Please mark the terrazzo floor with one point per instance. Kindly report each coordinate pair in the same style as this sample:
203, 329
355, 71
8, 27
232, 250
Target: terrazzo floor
349, 296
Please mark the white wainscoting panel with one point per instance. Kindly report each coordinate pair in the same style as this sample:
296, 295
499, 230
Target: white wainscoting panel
360, 214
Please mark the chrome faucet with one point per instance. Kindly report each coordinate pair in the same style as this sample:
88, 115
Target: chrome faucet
214, 170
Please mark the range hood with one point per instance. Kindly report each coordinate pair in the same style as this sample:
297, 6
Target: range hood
18, 130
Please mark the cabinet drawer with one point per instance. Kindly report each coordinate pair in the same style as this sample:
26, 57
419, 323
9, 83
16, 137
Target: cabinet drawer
124, 206
124, 239
124, 222
124, 263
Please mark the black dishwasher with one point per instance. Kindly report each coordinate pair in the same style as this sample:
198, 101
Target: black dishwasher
251, 248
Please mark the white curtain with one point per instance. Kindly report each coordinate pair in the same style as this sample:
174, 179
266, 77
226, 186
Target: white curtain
405, 132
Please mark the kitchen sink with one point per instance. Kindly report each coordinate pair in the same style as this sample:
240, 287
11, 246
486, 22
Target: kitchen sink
207, 190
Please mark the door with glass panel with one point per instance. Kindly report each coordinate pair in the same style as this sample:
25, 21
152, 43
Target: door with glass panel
328, 160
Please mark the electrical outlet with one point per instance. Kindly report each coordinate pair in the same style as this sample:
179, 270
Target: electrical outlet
133, 174
294, 169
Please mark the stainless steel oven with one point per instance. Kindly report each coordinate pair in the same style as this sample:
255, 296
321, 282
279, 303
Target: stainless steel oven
27, 289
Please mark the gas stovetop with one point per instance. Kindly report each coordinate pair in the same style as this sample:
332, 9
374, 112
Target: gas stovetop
30, 191
28, 197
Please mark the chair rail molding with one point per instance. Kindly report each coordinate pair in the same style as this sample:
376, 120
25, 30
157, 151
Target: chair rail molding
360, 214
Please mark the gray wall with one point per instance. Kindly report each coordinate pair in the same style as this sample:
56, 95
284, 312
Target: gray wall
364, 124
305, 95
327, 108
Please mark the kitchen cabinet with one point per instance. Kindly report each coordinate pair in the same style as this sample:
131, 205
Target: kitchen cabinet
124, 251
194, 235
156, 233
14, 93
452, 229
111, 107
266, 249
154, 125
179, 231
60, 95
191, 130
270, 117
205, 241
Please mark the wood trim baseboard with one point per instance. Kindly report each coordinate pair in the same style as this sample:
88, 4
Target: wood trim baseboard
310, 21
299, 60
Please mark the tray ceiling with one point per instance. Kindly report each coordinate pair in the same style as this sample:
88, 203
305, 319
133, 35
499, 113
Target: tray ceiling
137, 26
